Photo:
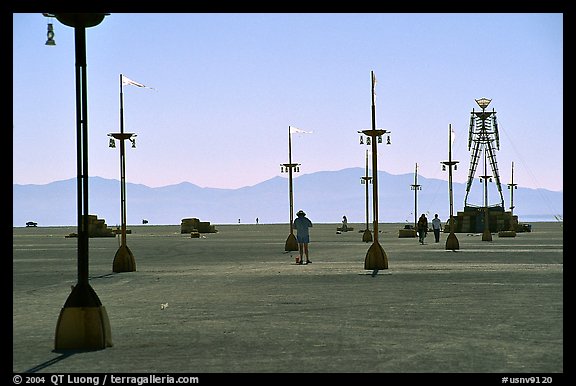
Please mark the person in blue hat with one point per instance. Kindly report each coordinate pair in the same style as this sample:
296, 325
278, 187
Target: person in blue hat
302, 225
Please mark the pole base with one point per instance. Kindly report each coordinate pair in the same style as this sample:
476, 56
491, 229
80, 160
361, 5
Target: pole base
83, 322
124, 260
83, 328
291, 243
376, 258
367, 236
452, 243
486, 235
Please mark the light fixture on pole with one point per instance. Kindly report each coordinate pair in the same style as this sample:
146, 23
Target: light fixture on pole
451, 241
83, 322
376, 258
366, 180
50, 35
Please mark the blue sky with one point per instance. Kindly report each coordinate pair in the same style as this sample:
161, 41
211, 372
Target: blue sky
228, 86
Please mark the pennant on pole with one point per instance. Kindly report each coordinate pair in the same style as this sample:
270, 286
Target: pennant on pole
127, 82
297, 130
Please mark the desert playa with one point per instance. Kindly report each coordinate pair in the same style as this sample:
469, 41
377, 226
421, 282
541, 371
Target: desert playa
235, 302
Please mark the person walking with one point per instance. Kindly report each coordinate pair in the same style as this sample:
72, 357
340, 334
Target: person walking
436, 227
422, 228
344, 224
302, 225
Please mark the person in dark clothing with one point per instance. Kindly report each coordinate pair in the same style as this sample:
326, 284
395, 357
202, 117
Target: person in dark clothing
344, 224
436, 227
422, 228
302, 223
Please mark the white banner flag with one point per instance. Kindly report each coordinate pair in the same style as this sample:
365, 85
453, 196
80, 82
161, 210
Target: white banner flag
127, 82
297, 130
453, 134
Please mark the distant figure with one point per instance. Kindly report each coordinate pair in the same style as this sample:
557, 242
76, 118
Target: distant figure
302, 223
436, 227
344, 224
144, 221
422, 228
256, 220
238, 221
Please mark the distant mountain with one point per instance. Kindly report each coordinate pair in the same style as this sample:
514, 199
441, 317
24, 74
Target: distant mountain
325, 196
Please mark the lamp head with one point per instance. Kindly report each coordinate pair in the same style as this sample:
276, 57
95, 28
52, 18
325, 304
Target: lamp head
50, 35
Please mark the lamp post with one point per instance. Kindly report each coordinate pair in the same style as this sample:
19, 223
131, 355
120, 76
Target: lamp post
486, 234
376, 258
291, 242
83, 322
124, 258
511, 187
451, 241
415, 187
366, 180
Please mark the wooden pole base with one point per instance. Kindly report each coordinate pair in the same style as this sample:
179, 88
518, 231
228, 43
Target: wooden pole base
367, 236
376, 258
83, 328
291, 243
124, 260
452, 243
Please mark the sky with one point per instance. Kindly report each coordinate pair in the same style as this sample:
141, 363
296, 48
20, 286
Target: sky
226, 87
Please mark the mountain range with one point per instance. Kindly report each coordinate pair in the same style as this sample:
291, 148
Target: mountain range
325, 196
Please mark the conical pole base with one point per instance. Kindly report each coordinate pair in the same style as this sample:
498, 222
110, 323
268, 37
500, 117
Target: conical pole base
376, 258
83, 322
486, 235
367, 236
452, 243
291, 243
124, 260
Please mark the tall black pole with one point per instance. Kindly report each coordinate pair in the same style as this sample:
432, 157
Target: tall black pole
83, 322
82, 153
124, 259
451, 241
374, 164
486, 234
291, 242
122, 168
512, 186
290, 183
416, 187
367, 235
376, 258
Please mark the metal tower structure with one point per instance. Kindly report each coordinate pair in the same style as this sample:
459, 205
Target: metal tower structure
482, 137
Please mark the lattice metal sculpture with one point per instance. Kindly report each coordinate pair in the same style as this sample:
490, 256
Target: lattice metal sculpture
482, 137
